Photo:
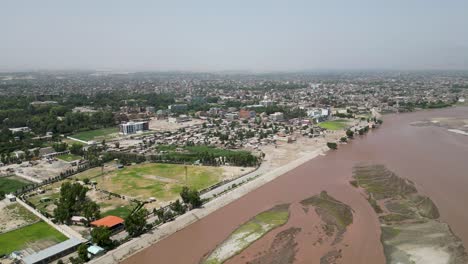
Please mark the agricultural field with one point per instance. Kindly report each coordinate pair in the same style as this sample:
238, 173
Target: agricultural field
12, 183
98, 134
68, 157
34, 237
339, 124
161, 181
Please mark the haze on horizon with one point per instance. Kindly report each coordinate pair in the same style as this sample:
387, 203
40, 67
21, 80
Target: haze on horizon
264, 35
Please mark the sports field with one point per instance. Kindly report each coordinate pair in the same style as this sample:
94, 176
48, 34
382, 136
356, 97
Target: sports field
334, 125
37, 236
12, 183
98, 134
162, 181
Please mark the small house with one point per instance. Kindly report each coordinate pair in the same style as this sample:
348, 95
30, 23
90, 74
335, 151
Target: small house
11, 197
95, 251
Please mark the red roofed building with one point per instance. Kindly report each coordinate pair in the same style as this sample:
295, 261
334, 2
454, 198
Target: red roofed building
114, 223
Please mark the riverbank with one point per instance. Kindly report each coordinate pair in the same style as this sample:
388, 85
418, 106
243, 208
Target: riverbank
140, 243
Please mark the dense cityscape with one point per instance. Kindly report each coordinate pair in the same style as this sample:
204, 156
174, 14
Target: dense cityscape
69, 139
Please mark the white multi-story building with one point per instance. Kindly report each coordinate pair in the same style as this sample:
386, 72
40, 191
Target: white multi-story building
133, 127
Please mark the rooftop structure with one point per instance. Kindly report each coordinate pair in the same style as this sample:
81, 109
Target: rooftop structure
109, 221
54, 252
277, 117
20, 129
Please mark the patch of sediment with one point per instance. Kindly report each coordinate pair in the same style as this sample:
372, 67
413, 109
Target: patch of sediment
282, 250
411, 231
335, 214
248, 233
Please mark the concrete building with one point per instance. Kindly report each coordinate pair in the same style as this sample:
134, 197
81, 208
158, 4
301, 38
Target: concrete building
246, 114
177, 108
150, 109
20, 129
133, 127
231, 116
277, 117
267, 103
179, 119
54, 252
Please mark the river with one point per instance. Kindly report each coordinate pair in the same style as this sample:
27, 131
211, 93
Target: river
434, 158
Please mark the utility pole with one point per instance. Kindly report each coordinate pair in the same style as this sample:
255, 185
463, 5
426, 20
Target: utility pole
186, 182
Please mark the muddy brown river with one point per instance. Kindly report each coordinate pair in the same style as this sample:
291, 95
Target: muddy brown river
434, 158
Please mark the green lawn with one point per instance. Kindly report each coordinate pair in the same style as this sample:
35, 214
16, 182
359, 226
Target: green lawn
122, 211
97, 134
32, 234
162, 181
69, 157
11, 184
334, 125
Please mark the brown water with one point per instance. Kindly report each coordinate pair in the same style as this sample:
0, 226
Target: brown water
435, 159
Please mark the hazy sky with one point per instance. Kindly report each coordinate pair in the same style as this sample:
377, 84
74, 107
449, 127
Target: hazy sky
216, 35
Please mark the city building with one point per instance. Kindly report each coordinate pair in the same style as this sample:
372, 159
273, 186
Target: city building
179, 119
150, 109
246, 114
277, 117
177, 108
133, 127
20, 129
267, 103
231, 116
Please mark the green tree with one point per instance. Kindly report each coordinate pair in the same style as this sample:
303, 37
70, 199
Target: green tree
73, 201
191, 196
135, 223
332, 145
101, 236
178, 207
76, 149
91, 211
83, 252
349, 133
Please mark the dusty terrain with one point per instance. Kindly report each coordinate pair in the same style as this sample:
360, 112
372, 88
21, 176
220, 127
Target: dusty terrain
13, 215
38, 172
164, 125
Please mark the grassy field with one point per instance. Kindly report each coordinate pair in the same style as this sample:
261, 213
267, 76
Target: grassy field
248, 233
334, 125
69, 157
20, 212
12, 183
122, 211
162, 181
36, 236
97, 134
